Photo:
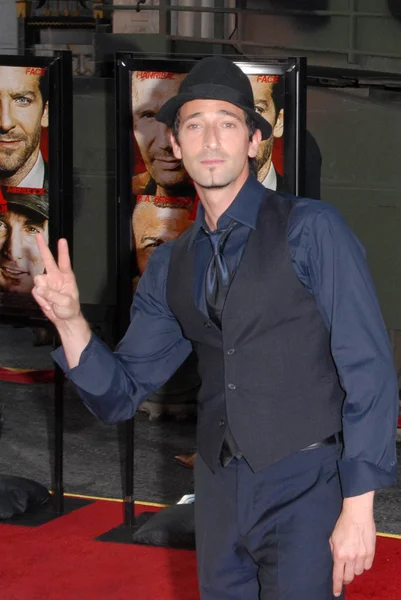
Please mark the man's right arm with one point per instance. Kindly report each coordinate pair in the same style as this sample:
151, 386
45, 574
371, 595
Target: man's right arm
113, 384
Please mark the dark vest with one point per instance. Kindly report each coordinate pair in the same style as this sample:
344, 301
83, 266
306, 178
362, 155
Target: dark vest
269, 372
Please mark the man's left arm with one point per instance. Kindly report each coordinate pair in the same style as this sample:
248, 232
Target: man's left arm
334, 264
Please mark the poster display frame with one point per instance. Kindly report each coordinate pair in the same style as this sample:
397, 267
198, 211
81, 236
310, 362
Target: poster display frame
60, 174
294, 72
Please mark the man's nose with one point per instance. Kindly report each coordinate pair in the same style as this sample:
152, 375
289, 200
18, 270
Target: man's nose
211, 137
13, 248
163, 136
6, 118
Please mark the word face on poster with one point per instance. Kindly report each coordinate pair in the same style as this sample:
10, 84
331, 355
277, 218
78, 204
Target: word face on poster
157, 200
35, 172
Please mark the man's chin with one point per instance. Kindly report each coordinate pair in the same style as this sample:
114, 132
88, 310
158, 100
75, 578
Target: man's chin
22, 285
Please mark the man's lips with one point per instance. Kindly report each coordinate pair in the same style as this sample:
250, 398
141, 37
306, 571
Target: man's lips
167, 163
212, 161
9, 142
12, 271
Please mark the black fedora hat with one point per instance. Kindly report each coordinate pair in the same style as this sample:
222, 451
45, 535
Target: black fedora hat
215, 78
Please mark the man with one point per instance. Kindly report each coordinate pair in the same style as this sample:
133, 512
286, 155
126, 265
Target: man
21, 218
158, 219
268, 93
164, 175
23, 113
274, 295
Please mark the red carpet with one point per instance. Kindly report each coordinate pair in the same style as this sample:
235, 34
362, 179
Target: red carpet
60, 561
26, 375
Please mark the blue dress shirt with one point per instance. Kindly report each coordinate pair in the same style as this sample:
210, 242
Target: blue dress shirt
330, 262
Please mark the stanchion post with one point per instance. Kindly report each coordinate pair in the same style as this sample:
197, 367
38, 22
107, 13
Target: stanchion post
58, 439
129, 511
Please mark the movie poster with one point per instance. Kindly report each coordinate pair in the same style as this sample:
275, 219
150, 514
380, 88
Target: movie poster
24, 180
164, 200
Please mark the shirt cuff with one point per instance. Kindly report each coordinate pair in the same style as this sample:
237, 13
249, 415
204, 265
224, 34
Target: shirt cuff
93, 373
359, 477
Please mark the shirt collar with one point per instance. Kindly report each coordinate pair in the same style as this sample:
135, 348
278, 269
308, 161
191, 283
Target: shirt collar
36, 175
243, 209
270, 181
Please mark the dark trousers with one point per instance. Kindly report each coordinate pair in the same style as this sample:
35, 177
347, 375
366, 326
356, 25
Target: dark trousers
265, 535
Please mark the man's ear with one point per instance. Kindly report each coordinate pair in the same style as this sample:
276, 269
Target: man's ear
254, 144
278, 129
175, 146
45, 116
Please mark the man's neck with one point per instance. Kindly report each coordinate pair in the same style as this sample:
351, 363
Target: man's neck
216, 201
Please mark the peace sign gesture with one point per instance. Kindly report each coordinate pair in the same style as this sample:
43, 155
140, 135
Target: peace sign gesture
56, 292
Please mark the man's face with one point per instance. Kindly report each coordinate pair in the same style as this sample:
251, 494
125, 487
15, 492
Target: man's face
264, 105
22, 115
152, 225
153, 138
20, 260
214, 143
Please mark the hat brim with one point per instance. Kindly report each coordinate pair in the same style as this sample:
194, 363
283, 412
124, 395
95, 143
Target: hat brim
28, 206
168, 111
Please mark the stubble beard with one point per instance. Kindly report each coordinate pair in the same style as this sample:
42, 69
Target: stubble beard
11, 161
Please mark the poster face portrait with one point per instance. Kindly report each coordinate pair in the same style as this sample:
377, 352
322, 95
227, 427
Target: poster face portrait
268, 93
24, 200
23, 126
23, 214
163, 194
158, 219
163, 174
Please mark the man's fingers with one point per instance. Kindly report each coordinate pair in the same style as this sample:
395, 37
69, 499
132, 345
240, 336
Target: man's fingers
40, 280
47, 257
53, 297
349, 573
64, 261
338, 577
359, 566
43, 303
368, 562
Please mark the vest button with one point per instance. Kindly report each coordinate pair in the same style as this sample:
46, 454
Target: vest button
232, 386
222, 423
230, 351
207, 324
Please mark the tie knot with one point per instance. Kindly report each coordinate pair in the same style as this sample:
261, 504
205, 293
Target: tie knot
219, 237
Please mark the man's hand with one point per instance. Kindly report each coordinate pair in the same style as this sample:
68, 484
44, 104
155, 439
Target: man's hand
56, 292
353, 540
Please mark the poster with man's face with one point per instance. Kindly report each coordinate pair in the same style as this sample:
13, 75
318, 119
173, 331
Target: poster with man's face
24, 204
164, 199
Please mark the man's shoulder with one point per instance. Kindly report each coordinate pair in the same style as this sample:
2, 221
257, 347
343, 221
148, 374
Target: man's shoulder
317, 221
310, 210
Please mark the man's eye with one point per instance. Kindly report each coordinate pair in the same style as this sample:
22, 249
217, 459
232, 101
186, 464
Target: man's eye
154, 244
259, 109
147, 115
31, 229
23, 100
229, 125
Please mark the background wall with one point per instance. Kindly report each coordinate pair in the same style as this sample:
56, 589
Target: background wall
359, 136
8, 27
